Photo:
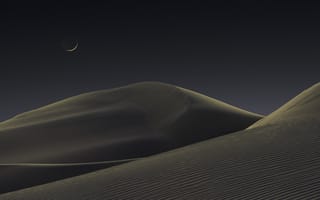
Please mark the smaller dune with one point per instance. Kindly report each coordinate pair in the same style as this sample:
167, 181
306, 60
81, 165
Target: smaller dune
303, 106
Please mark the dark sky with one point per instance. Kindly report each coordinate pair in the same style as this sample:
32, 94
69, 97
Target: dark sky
253, 54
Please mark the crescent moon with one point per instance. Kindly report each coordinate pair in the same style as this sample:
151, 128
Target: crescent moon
74, 48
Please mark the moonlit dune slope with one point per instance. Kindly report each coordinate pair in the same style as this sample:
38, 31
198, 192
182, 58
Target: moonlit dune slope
276, 158
104, 126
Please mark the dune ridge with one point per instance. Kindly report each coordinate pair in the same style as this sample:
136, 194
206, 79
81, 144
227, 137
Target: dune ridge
277, 158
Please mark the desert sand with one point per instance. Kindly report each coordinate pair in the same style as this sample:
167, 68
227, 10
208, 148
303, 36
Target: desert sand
277, 157
100, 129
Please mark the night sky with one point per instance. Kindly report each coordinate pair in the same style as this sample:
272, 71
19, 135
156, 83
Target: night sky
253, 54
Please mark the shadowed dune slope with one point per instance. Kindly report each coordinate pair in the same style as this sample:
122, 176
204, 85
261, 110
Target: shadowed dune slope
128, 122
276, 158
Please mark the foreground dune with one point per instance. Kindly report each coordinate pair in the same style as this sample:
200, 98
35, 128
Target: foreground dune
276, 158
124, 123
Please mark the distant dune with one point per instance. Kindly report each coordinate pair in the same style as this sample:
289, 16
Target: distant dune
95, 130
276, 158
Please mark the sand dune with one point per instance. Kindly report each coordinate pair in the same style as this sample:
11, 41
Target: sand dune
124, 123
128, 122
276, 158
